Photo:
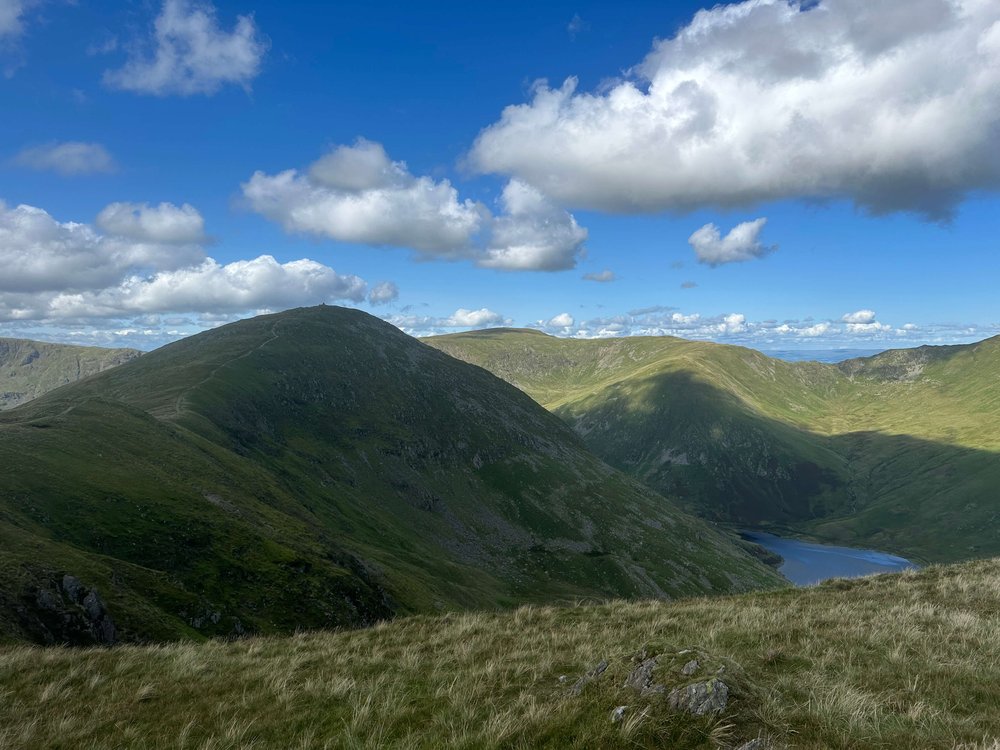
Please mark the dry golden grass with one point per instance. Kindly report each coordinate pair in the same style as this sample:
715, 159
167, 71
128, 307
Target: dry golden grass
909, 661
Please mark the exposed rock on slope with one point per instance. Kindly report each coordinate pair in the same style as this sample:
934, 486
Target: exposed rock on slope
30, 368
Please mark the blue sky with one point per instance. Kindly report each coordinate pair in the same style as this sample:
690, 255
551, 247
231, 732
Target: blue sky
146, 151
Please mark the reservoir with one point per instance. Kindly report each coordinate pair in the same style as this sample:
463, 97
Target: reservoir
806, 563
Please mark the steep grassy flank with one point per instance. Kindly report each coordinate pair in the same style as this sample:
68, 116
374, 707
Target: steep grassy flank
317, 468
30, 368
900, 450
903, 661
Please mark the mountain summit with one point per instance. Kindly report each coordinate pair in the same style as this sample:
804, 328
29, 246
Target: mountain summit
318, 467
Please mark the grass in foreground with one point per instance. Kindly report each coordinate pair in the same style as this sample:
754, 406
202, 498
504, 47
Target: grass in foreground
908, 661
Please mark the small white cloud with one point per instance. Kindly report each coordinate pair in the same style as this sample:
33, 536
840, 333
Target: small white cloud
741, 244
814, 331
689, 284
684, 320
165, 223
480, 318
427, 325
601, 277
562, 320
192, 53
68, 158
576, 25
873, 327
733, 323
383, 293
860, 316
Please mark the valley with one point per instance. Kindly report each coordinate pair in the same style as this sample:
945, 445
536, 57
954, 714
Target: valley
308, 527
900, 451
500, 376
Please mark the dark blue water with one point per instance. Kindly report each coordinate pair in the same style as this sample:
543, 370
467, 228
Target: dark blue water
807, 563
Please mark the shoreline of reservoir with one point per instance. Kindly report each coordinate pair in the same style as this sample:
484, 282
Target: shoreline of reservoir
808, 563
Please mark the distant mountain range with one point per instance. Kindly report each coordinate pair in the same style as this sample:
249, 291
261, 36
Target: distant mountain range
30, 368
317, 468
830, 356
899, 451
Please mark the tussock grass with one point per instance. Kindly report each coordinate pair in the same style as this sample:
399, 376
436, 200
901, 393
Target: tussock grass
904, 661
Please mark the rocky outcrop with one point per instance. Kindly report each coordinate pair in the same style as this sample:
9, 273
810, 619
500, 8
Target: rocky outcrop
700, 698
67, 612
640, 679
592, 675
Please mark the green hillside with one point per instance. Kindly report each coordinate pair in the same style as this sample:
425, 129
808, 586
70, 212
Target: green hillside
903, 661
900, 451
30, 368
317, 468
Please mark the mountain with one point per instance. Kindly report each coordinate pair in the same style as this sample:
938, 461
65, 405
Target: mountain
30, 368
317, 468
897, 451
895, 661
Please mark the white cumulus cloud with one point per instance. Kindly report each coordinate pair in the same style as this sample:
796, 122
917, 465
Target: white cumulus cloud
144, 260
164, 223
532, 234
562, 320
192, 54
428, 325
873, 327
383, 293
213, 287
601, 277
859, 316
816, 330
358, 194
68, 158
480, 318
740, 244
39, 253
892, 105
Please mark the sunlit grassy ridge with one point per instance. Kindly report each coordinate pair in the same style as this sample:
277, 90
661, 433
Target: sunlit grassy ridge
902, 661
30, 368
320, 468
901, 450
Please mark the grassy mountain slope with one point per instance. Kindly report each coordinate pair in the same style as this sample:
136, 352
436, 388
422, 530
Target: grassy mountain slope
902, 661
898, 450
317, 468
30, 368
